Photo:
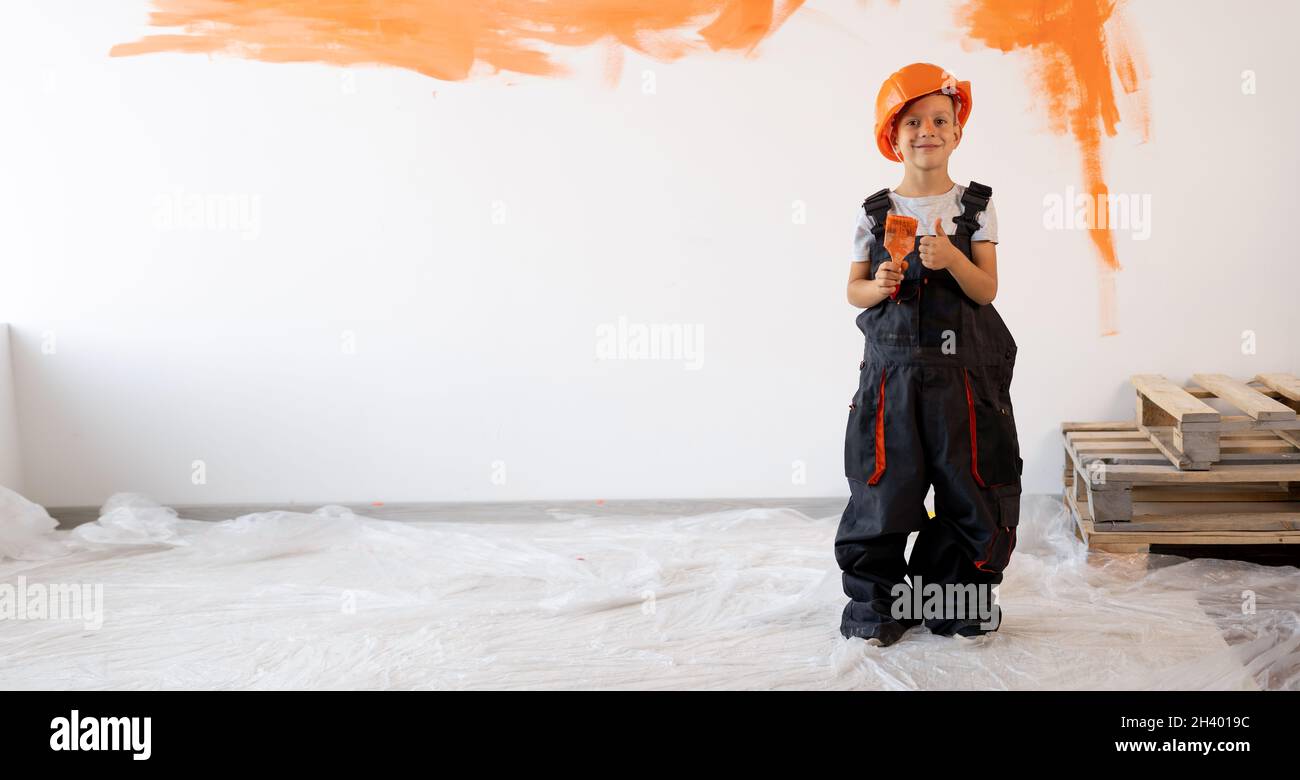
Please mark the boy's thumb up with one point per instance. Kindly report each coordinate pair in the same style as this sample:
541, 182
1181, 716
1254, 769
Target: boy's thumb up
938, 230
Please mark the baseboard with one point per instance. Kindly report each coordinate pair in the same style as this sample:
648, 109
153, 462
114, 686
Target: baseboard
478, 511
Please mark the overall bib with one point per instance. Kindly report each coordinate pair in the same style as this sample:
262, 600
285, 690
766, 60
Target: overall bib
933, 407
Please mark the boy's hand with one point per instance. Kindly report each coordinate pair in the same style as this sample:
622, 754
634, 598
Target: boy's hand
937, 252
888, 276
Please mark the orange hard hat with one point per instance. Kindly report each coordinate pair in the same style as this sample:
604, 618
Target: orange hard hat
911, 82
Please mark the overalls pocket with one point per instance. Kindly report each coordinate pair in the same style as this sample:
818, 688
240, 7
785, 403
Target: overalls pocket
1008, 504
1006, 500
995, 448
864, 439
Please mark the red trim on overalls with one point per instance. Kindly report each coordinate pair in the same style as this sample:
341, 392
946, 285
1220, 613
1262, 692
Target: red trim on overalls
1011, 537
980, 564
880, 433
974, 445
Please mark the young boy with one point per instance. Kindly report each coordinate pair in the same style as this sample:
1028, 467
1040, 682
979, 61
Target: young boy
933, 405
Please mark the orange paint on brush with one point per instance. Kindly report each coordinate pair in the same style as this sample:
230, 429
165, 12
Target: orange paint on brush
1078, 47
900, 239
446, 39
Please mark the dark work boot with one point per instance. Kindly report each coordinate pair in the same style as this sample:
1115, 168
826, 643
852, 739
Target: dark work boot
887, 634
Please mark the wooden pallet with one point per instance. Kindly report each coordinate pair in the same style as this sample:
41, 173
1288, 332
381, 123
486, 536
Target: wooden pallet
1189, 432
1124, 494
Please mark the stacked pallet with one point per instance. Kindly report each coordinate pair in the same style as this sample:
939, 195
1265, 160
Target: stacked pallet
1182, 473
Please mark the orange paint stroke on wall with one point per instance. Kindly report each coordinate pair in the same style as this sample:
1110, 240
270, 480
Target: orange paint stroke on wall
447, 39
1078, 49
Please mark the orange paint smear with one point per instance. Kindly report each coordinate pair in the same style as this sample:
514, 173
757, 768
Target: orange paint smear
447, 39
1079, 48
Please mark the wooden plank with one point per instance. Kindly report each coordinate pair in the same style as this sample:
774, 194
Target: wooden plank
1288, 472
1135, 447
1285, 385
1114, 444
1201, 447
1111, 502
1110, 532
1267, 443
1225, 423
1264, 446
1069, 427
1173, 400
1094, 534
1188, 511
1248, 431
1200, 392
1240, 422
1120, 549
1257, 493
1176, 516
1290, 438
1254, 404
1078, 531
1153, 458
1118, 448
1148, 412
1162, 436
1131, 465
1136, 437
1072, 454
1129, 432
1195, 537
1138, 538
1078, 510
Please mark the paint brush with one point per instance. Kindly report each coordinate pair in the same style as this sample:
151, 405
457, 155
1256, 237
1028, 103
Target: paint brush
900, 238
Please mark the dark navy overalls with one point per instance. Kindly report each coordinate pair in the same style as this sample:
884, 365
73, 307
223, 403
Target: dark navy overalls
933, 407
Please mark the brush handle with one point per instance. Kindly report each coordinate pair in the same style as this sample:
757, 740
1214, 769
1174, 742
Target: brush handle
894, 295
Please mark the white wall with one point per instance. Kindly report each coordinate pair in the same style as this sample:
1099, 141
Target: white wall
11, 475
476, 342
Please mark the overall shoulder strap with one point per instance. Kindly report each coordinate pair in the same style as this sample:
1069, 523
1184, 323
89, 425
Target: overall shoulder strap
877, 207
973, 201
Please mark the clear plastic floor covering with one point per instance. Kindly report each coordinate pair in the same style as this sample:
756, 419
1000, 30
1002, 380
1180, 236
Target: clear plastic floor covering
739, 599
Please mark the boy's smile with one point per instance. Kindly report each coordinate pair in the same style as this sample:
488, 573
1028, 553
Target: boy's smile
927, 132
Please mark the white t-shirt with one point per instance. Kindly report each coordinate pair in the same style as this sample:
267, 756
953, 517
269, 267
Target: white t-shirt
925, 209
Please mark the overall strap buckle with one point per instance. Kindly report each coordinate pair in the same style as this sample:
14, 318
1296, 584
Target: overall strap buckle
877, 207
973, 201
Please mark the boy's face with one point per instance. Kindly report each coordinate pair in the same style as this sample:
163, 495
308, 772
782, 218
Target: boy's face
927, 132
